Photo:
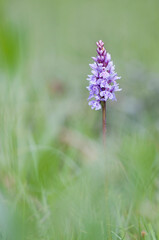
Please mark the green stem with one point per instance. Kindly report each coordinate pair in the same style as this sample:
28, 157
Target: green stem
104, 122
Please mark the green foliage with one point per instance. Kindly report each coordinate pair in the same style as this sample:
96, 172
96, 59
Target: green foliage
56, 180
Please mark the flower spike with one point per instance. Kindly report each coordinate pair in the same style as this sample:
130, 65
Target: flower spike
102, 82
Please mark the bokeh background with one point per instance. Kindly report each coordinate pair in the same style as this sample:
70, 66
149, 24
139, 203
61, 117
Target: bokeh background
56, 181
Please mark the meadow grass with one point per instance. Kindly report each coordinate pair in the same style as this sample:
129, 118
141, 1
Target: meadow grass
56, 181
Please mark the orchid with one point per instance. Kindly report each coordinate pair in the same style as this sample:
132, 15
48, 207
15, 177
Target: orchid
102, 82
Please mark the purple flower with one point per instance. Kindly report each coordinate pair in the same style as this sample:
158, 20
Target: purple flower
102, 82
95, 104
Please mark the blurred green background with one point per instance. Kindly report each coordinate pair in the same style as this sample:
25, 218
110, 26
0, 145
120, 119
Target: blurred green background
56, 181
